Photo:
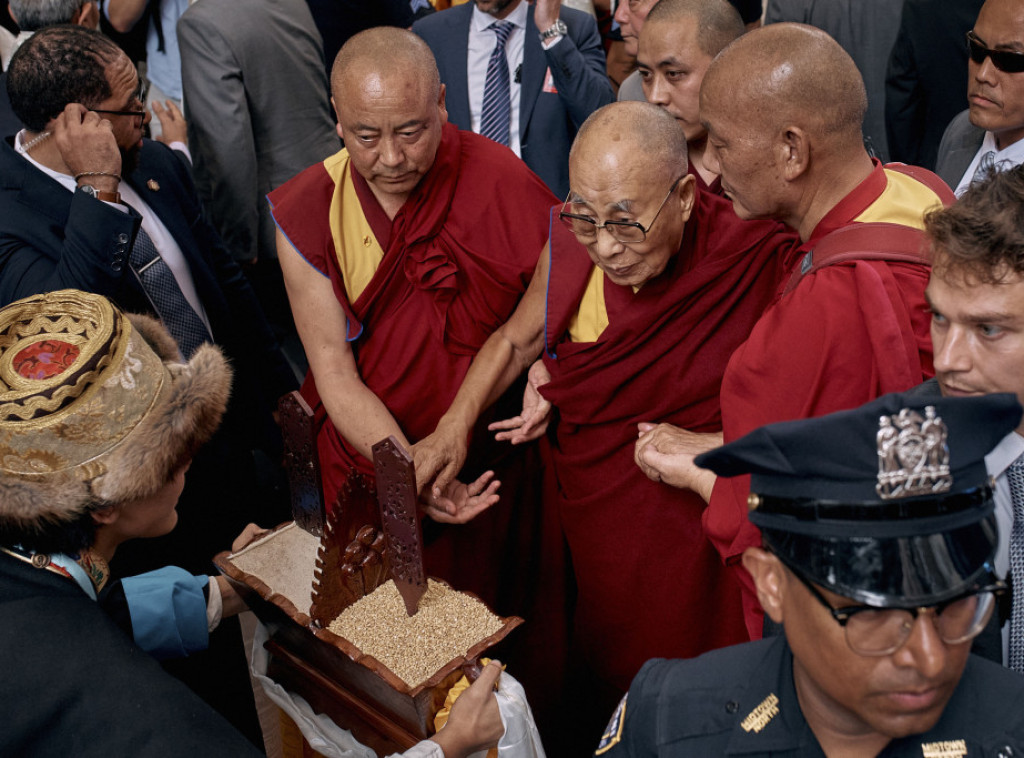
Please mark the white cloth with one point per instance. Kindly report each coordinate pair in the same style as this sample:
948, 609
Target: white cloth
1006, 452
162, 238
521, 739
481, 45
1009, 156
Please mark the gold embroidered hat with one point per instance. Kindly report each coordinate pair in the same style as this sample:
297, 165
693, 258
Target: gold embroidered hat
95, 405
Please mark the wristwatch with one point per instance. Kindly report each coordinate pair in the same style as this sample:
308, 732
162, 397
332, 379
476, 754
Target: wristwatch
557, 30
104, 195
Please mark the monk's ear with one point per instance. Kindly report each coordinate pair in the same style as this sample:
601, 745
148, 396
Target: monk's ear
686, 193
769, 579
441, 107
793, 152
337, 126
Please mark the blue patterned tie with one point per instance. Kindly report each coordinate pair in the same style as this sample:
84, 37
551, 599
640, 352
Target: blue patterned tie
1015, 476
496, 116
165, 294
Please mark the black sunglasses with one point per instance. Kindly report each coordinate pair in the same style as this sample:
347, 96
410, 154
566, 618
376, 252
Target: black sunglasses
1008, 61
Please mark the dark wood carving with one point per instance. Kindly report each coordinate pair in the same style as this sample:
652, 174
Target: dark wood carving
301, 462
351, 561
399, 515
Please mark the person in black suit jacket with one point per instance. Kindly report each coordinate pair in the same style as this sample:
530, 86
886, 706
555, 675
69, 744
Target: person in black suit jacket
59, 232
561, 81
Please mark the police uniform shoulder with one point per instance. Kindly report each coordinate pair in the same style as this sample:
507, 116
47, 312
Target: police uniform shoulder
711, 690
994, 694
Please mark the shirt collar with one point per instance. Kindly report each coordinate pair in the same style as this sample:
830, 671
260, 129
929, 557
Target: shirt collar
66, 181
1009, 449
481, 20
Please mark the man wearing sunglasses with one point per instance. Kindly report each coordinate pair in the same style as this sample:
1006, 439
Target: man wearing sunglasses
990, 133
879, 535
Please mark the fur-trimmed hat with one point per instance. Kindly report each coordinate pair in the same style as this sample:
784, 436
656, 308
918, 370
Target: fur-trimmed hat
95, 405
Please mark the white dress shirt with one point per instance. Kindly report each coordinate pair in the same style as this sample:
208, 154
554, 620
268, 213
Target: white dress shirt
1009, 449
163, 240
481, 44
1013, 155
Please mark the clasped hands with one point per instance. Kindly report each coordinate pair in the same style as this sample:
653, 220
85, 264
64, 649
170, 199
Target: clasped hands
665, 453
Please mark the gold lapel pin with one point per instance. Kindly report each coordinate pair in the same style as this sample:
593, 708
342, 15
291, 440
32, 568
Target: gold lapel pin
153, 184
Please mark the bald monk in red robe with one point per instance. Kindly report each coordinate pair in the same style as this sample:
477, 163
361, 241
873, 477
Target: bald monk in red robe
783, 107
401, 254
637, 317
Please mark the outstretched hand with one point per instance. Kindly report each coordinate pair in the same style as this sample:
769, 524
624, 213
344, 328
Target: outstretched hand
173, 127
533, 420
665, 453
460, 503
438, 458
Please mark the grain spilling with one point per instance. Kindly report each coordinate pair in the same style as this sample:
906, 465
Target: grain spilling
415, 647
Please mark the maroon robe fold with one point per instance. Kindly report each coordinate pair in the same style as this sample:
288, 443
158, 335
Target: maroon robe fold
650, 583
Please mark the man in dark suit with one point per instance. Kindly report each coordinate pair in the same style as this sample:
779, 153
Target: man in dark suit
556, 70
990, 133
69, 220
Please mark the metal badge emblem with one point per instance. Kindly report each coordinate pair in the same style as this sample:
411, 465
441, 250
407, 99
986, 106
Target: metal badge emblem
913, 456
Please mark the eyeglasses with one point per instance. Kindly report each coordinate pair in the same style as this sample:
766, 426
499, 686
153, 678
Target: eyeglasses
628, 232
1008, 61
138, 96
872, 631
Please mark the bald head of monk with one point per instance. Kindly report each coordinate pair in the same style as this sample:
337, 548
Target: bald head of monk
627, 170
783, 107
389, 100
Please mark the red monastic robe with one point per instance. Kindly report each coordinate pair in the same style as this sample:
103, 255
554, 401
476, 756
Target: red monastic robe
457, 258
650, 584
845, 335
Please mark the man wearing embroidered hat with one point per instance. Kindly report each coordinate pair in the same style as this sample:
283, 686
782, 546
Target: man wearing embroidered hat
879, 535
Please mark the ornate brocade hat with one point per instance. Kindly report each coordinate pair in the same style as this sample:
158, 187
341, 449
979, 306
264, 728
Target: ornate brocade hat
889, 504
95, 405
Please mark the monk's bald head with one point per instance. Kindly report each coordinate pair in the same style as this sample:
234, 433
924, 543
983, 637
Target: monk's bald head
385, 51
637, 134
786, 74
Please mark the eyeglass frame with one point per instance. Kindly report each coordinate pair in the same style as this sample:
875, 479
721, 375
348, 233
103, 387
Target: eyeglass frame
609, 225
843, 615
138, 95
999, 58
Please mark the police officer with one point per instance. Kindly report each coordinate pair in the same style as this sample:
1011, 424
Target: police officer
878, 540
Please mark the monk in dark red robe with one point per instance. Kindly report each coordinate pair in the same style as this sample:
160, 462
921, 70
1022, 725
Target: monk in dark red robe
670, 309
401, 255
850, 323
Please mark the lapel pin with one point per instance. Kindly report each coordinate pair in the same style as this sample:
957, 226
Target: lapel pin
153, 184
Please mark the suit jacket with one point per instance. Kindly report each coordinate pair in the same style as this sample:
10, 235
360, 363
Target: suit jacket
51, 239
960, 143
926, 84
548, 121
255, 91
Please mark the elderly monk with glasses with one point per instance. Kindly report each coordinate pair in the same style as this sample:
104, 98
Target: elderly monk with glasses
879, 539
645, 289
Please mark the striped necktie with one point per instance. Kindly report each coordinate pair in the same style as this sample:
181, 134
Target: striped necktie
496, 116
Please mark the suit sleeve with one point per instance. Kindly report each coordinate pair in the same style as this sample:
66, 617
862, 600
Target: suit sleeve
577, 66
96, 241
220, 134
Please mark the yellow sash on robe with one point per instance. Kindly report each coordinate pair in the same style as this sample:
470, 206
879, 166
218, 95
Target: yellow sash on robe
591, 317
359, 253
901, 202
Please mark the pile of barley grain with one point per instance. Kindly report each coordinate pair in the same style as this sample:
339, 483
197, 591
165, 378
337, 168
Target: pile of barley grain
447, 624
